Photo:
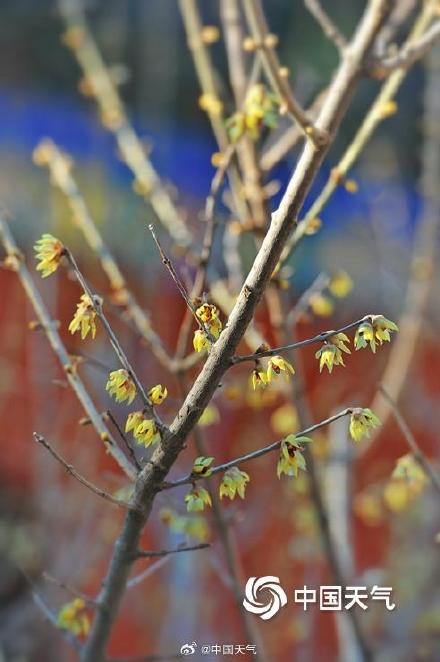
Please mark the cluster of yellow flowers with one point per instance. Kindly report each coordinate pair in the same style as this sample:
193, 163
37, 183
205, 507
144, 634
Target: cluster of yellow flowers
275, 366
373, 332
84, 318
362, 422
330, 353
144, 429
408, 481
208, 315
193, 526
121, 386
291, 458
197, 499
49, 251
261, 109
73, 617
234, 482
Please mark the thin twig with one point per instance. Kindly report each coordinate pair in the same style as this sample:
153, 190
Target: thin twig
411, 440
255, 454
321, 337
119, 351
125, 441
70, 589
327, 25
137, 579
75, 474
411, 52
146, 554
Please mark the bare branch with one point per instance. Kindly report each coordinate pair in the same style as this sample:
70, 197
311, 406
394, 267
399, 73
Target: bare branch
410, 53
328, 27
69, 589
146, 554
75, 474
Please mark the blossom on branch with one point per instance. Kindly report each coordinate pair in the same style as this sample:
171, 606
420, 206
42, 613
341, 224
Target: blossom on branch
233, 482
197, 499
330, 353
158, 394
201, 466
121, 386
48, 251
74, 618
291, 459
278, 365
362, 422
84, 318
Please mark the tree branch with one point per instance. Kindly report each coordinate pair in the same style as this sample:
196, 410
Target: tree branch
328, 27
75, 474
283, 221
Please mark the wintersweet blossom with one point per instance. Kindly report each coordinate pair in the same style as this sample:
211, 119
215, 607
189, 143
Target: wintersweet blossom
84, 318
121, 386
48, 251
202, 466
74, 618
146, 433
233, 482
330, 353
201, 341
291, 459
197, 499
278, 365
157, 394
362, 422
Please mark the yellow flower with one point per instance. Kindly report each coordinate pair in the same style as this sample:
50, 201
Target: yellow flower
197, 499
211, 104
364, 335
49, 252
73, 617
157, 394
382, 327
330, 353
276, 365
133, 420
340, 284
291, 459
210, 34
258, 379
409, 470
215, 328
321, 305
210, 416
146, 432
201, 466
121, 386
201, 341
194, 526
260, 109
374, 332
84, 318
362, 421
233, 482
207, 312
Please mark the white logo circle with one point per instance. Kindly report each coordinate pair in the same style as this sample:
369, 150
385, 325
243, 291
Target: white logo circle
188, 649
265, 610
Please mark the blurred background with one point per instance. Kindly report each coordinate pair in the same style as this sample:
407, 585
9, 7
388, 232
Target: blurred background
384, 235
